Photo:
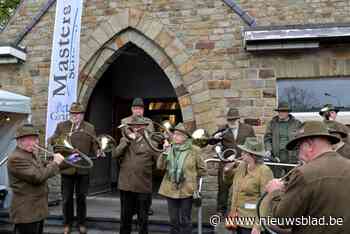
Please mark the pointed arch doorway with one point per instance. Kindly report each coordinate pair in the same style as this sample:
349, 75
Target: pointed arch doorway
132, 74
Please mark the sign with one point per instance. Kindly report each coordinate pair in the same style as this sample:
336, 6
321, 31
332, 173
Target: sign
63, 81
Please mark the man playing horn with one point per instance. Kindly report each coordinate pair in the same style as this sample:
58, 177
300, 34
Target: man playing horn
136, 159
318, 189
76, 179
28, 180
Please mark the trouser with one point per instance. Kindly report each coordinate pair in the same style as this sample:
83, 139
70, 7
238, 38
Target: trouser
242, 230
79, 183
180, 212
131, 203
29, 228
223, 191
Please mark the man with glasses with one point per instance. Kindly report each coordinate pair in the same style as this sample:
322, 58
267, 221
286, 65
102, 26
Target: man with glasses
319, 188
28, 177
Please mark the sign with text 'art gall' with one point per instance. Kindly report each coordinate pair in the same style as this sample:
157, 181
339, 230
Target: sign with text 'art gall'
63, 82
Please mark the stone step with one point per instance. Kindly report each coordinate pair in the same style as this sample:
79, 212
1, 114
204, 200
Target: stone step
53, 225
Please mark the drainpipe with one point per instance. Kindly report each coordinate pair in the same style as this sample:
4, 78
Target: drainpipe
35, 20
250, 21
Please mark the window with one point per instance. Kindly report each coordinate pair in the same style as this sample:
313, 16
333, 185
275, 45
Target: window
309, 95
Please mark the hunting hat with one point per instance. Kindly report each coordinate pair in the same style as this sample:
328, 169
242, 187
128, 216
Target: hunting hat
312, 129
181, 128
283, 106
138, 121
327, 108
138, 102
26, 130
233, 113
76, 108
254, 146
336, 128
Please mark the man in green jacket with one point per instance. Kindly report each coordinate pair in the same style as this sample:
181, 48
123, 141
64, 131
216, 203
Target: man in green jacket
281, 129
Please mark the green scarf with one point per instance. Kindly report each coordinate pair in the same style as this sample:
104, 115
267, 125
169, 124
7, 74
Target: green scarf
176, 159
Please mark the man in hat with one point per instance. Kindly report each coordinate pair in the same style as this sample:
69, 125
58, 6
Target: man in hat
279, 131
329, 114
28, 176
81, 135
136, 159
137, 110
233, 133
318, 189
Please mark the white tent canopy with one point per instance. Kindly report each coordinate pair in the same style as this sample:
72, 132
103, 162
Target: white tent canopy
14, 103
17, 109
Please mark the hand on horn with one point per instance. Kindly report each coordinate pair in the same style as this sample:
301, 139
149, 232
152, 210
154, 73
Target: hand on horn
58, 158
275, 184
100, 154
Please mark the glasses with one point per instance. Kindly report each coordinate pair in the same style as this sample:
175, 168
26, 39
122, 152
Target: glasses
298, 145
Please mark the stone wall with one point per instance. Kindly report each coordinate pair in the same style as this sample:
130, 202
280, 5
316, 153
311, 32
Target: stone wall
198, 43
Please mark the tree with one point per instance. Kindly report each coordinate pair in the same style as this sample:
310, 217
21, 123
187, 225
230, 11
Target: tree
300, 99
6, 9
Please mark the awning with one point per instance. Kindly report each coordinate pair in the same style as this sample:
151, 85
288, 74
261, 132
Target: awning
294, 36
12, 54
14, 103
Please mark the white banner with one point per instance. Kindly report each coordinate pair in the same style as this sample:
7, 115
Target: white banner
63, 82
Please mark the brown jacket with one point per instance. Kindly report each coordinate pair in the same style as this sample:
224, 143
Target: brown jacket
136, 160
344, 150
244, 131
193, 168
28, 177
319, 188
81, 141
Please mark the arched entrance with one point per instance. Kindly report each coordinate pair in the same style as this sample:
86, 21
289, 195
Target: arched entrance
133, 74
122, 39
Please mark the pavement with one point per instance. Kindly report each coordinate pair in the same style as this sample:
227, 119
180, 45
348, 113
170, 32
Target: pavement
103, 216
107, 206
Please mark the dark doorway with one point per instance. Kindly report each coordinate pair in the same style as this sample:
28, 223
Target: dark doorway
133, 74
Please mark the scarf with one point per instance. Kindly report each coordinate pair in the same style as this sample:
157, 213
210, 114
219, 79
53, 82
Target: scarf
176, 159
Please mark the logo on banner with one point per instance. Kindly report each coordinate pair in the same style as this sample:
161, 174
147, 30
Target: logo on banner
61, 113
63, 80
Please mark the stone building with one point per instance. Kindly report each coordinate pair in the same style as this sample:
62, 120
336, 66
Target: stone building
190, 60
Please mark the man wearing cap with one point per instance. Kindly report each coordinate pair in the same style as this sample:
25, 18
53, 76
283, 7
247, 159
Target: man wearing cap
279, 131
233, 133
329, 114
137, 109
28, 176
319, 188
136, 159
75, 178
